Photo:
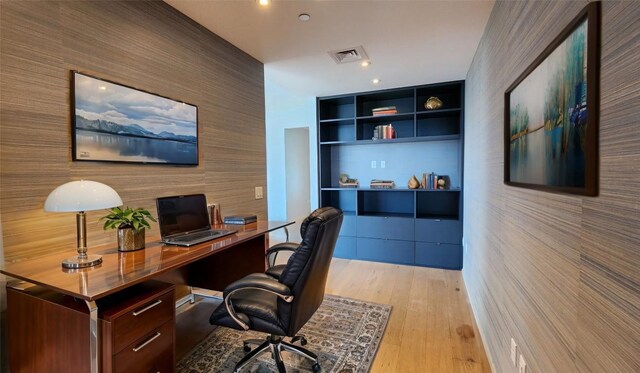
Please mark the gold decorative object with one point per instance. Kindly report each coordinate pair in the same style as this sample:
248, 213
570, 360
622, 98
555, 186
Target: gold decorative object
423, 183
414, 183
130, 239
433, 103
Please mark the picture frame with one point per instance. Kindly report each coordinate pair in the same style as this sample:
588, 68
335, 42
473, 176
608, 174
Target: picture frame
551, 113
113, 122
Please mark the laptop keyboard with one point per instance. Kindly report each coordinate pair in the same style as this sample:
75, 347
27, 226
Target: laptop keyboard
196, 236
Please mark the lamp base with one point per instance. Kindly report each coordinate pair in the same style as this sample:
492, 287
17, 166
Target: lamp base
75, 262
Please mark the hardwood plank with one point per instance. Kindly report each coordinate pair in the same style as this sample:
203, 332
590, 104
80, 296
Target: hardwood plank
420, 335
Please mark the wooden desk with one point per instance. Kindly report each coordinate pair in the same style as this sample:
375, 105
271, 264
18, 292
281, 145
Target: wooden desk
210, 265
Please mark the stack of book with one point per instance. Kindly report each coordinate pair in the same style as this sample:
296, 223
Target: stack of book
432, 181
382, 184
386, 110
384, 131
240, 219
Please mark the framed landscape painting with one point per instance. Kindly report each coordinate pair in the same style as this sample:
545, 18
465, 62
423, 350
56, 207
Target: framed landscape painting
116, 123
551, 113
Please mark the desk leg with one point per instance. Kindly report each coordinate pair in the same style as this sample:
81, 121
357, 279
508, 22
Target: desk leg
94, 352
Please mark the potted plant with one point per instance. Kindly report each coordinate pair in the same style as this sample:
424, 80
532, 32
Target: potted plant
131, 224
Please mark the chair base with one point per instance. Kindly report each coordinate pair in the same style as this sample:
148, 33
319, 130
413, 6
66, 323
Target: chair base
276, 345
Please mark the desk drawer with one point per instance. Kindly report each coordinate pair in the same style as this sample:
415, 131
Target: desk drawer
147, 316
386, 227
152, 353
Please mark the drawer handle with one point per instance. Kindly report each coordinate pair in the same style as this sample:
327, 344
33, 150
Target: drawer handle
136, 349
147, 308
438, 220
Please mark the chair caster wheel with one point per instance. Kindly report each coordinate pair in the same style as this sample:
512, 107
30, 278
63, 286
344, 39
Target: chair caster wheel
246, 348
302, 339
316, 368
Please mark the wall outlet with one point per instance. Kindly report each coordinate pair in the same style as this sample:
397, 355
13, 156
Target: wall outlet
522, 365
373, 164
259, 194
383, 164
514, 352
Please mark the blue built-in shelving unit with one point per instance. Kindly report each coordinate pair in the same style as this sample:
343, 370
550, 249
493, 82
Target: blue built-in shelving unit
407, 226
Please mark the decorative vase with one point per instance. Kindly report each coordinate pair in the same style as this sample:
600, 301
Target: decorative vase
130, 239
414, 183
433, 103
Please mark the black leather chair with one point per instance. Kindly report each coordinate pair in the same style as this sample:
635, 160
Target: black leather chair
275, 270
281, 306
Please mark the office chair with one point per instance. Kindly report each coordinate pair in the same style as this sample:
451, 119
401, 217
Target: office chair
280, 307
275, 270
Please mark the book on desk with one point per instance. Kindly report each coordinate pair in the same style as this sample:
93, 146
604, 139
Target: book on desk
240, 219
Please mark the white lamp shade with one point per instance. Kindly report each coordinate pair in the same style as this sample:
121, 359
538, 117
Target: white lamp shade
83, 195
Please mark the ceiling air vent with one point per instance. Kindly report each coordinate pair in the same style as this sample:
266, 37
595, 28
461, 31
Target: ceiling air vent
341, 56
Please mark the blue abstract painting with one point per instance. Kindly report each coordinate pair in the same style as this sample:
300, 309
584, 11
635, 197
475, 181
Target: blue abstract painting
548, 118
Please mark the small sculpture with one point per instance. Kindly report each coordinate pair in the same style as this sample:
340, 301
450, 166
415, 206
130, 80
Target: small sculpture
423, 183
442, 183
433, 103
414, 183
346, 182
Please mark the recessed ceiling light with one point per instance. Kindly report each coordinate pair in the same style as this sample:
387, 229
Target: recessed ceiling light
102, 88
375, 81
304, 17
365, 63
263, 2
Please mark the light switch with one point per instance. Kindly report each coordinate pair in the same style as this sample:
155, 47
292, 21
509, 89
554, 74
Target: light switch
259, 194
383, 164
373, 164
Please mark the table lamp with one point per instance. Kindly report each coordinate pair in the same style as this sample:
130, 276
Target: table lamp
81, 196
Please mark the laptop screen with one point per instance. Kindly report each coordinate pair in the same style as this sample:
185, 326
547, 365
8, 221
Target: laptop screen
182, 214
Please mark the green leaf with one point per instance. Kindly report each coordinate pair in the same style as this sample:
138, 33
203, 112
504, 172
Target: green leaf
127, 218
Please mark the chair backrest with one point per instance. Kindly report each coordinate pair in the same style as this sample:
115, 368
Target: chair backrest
308, 267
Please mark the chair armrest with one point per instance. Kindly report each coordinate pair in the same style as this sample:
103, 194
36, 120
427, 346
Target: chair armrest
255, 281
272, 252
258, 281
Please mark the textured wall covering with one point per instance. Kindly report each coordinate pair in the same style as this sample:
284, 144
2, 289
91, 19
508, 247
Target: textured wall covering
559, 273
147, 45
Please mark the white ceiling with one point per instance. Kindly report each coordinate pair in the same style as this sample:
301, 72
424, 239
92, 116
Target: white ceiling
408, 42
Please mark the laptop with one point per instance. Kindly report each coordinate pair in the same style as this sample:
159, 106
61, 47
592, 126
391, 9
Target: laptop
184, 220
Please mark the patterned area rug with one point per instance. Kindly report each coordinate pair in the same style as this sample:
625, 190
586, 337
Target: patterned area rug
344, 333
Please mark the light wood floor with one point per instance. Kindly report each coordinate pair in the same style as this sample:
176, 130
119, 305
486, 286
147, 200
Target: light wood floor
431, 328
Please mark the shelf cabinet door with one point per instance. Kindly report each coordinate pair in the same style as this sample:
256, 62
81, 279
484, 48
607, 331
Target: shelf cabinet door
435, 230
439, 255
345, 247
348, 226
386, 227
390, 251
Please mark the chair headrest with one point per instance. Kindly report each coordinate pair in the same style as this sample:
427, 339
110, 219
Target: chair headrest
323, 213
